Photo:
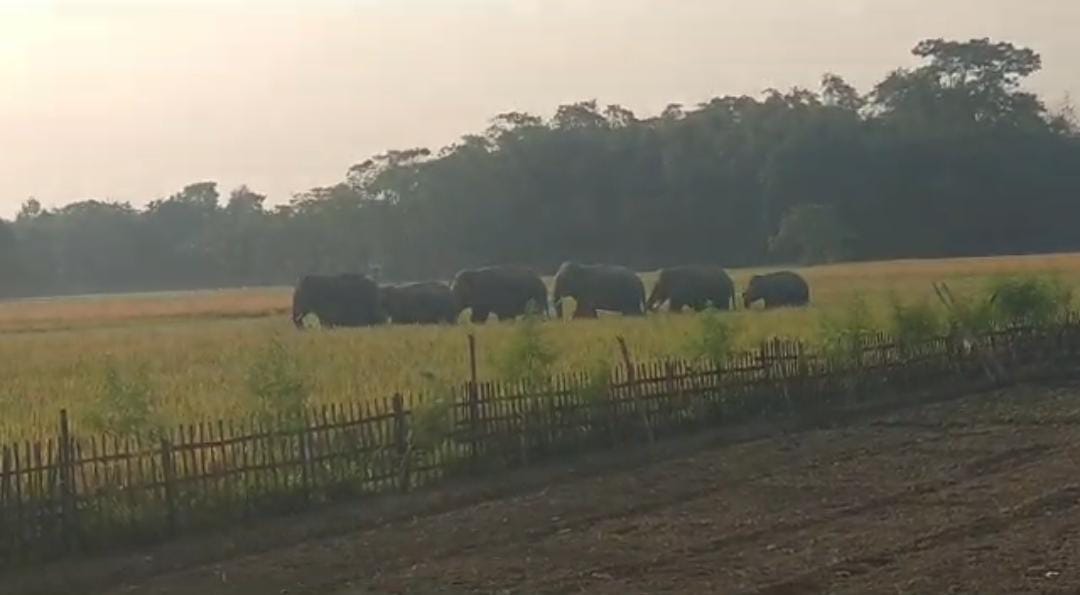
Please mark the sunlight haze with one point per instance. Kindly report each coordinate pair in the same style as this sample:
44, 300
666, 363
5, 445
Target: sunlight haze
132, 100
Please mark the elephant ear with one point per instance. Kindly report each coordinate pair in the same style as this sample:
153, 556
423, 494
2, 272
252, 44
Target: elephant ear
565, 268
462, 279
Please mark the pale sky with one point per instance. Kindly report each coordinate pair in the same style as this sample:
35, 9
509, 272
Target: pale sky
132, 99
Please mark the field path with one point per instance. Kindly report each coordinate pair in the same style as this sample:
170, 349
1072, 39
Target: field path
980, 495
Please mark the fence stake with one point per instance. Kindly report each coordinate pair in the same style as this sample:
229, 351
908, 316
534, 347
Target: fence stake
993, 369
68, 522
305, 456
523, 438
631, 381
6, 473
474, 402
674, 394
168, 468
401, 441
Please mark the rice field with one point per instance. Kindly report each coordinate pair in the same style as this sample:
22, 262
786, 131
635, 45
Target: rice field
193, 353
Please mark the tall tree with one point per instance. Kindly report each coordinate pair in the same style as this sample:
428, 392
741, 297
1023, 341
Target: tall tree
964, 84
951, 157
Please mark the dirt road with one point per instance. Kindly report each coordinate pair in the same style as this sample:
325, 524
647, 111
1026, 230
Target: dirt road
980, 495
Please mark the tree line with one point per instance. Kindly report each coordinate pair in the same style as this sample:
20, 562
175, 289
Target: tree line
952, 157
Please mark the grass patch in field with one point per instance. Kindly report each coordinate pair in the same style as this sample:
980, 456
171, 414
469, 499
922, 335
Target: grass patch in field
196, 350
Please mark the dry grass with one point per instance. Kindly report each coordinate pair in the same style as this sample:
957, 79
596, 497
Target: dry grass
195, 350
43, 314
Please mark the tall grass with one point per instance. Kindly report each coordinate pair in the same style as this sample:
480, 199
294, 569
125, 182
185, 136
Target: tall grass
203, 365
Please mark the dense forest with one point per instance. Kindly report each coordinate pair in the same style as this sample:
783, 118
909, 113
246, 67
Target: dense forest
952, 157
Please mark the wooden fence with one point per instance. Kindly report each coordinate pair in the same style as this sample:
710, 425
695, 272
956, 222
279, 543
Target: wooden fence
77, 493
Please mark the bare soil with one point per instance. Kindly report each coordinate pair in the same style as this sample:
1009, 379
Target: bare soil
977, 495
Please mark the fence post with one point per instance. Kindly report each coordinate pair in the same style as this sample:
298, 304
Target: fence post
789, 370
674, 395
766, 358
168, 468
631, 381
401, 442
993, 369
523, 437
305, 456
5, 492
5, 476
474, 403
68, 522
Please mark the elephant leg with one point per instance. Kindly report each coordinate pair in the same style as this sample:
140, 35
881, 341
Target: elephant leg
584, 311
480, 315
632, 309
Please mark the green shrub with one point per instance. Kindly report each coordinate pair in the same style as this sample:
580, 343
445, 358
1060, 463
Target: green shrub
598, 384
124, 405
844, 337
914, 324
432, 420
278, 383
714, 339
1028, 301
528, 358
974, 313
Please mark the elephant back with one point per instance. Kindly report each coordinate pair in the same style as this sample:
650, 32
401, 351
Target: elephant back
425, 302
780, 288
601, 287
697, 284
337, 300
499, 288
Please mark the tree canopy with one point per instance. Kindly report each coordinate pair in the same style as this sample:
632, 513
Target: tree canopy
952, 157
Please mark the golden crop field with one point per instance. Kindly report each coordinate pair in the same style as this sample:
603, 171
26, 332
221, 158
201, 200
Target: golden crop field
194, 351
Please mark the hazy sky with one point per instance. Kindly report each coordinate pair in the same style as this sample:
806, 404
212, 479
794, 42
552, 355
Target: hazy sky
132, 99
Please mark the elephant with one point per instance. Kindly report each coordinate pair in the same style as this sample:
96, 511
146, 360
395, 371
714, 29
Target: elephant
505, 291
599, 287
783, 288
425, 302
337, 300
696, 286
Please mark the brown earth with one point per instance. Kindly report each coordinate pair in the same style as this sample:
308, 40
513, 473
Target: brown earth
978, 495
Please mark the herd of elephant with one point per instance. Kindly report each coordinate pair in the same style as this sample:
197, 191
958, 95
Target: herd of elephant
511, 291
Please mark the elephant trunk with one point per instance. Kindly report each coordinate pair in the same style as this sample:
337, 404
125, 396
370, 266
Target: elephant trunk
298, 316
459, 299
557, 296
656, 297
